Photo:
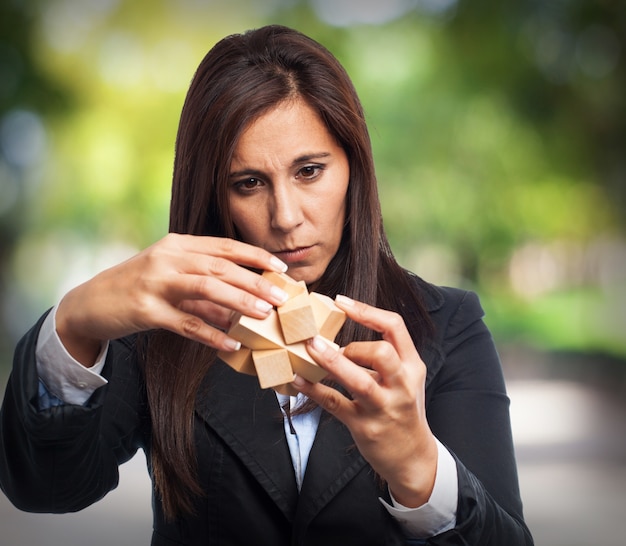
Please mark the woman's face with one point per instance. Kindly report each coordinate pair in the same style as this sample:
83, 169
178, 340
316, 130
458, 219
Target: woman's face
287, 188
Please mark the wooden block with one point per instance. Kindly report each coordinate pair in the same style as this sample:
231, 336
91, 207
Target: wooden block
296, 319
284, 281
328, 317
257, 334
273, 367
274, 347
303, 364
240, 360
287, 389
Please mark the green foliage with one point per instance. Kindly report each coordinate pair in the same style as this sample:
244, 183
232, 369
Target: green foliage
494, 127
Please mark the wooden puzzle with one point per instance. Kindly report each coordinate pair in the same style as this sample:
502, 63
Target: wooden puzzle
274, 348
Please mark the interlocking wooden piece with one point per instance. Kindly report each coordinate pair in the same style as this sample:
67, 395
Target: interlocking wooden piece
297, 319
240, 360
328, 317
274, 348
284, 281
273, 367
303, 364
258, 334
286, 388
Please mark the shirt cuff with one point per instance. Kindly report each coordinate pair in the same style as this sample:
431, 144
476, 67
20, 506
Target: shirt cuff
438, 515
62, 375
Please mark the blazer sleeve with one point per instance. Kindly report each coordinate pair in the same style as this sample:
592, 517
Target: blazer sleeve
64, 458
468, 411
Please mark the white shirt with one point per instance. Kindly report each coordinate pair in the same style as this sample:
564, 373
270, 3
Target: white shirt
73, 383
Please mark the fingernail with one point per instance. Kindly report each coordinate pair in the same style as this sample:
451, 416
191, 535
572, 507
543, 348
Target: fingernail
278, 264
279, 294
319, 344
263, 306
345, 300
232, 344
299, 381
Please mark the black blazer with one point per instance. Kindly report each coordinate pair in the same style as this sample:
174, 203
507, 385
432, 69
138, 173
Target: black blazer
65, 458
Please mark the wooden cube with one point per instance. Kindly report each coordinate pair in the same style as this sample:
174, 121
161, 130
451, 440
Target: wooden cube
296, 319
287, 389
257, 334
240, 360
303, 364
273, 367
328, 317
284, 281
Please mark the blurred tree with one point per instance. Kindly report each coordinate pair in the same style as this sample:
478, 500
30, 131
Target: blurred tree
562, 66
494, 126
26, 93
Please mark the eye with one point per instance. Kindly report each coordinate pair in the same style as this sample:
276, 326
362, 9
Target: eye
310, 172
247, 185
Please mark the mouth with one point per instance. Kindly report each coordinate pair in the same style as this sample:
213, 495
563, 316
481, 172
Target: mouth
293, 255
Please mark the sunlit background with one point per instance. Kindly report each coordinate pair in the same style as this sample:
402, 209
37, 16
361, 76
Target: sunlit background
500, 140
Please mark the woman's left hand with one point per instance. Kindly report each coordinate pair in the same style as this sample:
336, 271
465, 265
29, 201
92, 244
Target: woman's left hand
386, 411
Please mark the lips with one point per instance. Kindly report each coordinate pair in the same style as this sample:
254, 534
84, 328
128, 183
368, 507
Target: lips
294, 255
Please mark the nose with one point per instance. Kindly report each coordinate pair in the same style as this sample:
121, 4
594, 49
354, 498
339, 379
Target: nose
286, 208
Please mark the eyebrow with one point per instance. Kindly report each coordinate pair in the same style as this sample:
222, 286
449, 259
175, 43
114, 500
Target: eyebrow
298, 161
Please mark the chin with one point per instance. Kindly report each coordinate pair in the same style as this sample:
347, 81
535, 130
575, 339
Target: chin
304, 274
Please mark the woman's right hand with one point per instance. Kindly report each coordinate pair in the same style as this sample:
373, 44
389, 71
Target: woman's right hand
190, 285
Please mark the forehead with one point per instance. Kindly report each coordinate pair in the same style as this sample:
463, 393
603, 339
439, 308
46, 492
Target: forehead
287, 127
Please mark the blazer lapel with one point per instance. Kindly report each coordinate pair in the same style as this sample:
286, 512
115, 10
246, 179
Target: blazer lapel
249, 421
333, 462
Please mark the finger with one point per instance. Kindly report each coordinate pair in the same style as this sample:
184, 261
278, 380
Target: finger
233, 274
213, 257
379, 356
194, 328
211, 313
211, 289
359, 382
328, 398
237, 251
391, 325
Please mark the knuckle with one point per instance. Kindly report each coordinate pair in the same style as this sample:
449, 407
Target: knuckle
383, 350
247, 301
372, 430
191, 326
261, 284
368, 388
331, 401
227, 245
217, 267
142, 303
200, 286
395, 320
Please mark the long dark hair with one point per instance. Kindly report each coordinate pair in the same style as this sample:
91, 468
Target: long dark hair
241, 78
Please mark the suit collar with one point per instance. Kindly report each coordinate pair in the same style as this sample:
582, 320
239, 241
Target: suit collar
249, 421
333, 462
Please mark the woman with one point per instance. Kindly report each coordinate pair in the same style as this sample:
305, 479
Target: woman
409, 441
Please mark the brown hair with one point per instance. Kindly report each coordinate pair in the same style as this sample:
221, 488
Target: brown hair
242, 77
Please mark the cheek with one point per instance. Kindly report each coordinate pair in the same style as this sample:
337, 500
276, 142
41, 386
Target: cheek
245, 222
342, 207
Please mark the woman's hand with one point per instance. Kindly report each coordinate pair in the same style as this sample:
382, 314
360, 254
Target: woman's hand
386, 411
188, 284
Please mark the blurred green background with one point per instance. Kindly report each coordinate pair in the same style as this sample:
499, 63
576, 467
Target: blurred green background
499, 133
